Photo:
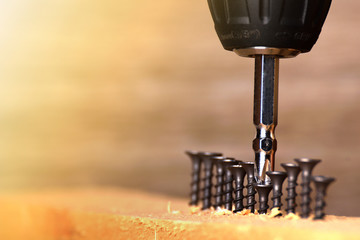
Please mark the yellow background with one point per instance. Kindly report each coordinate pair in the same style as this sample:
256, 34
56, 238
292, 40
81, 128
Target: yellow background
113, 92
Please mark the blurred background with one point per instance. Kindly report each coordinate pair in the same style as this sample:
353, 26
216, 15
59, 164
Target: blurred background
111, 93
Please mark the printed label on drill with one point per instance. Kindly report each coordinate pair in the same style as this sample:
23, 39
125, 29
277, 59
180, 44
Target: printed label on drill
300, 36
243, 34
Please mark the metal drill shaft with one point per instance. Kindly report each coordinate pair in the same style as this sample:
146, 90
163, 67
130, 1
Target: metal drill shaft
265, 114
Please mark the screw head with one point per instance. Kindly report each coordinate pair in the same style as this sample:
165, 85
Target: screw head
218, 163
210, 154
277, 178
307, 164
322, 183
249, 168
194, 156
222, 163
237, 171
292, 171
227, 162
218, 159
192, 152
207, 157
263, 189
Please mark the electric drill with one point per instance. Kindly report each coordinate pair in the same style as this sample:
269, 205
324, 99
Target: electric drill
267, 30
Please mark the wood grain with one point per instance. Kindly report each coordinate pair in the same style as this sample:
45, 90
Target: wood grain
123, 214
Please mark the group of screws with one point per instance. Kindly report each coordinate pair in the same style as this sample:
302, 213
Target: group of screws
230, 184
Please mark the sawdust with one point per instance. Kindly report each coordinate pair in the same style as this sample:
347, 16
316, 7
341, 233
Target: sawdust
274, 213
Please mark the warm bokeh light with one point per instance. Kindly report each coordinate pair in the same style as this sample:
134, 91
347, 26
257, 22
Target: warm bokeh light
113, 92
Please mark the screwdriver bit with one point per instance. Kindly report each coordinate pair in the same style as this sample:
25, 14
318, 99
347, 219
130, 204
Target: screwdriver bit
267, 30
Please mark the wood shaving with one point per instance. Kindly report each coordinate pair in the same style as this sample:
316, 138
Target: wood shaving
275, 212
244, 212
222, 211
292, 216
172, 211
194, 209
264, 217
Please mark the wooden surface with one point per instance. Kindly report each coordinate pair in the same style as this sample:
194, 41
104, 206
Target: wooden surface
123, 214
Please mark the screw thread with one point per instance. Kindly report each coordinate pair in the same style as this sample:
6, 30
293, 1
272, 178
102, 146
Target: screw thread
206, 198
263, 207
219, 186
239, 197
228, 191
291, 197
219, 193
250, 196
195, 188
305, 197
319, 206
277, 199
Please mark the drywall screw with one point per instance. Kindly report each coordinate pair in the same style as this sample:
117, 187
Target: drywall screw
250, 195
208, 173
321, 185
277, 180
219, 186
195, 177
306, 165
292, 171
238, 173
263, 191
228, 183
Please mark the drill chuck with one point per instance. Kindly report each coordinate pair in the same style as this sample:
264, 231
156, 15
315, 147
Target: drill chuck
281, 24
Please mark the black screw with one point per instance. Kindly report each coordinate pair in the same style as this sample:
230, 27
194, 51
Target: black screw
228, 183
306, 165
250, 196
219, 186
263, 192
321, 185
292, 171
277, 180
238, 173
208, 169
195, 179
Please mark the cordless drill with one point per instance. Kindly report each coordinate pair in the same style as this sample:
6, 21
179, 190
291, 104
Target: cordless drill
267, 30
